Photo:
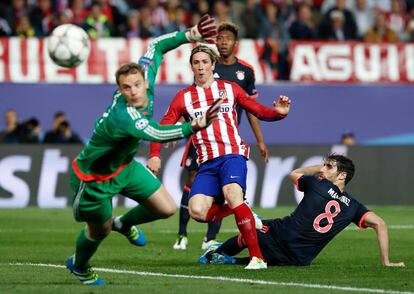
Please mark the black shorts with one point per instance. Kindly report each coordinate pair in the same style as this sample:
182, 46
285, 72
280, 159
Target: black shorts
272, 248
189, 161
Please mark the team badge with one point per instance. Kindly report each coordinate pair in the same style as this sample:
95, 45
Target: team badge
222, 94
141, 124
240, 75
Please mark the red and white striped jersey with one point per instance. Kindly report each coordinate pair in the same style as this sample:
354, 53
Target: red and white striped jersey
222, 136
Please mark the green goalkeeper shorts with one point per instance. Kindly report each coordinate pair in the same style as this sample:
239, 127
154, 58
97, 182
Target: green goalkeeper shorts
92, 201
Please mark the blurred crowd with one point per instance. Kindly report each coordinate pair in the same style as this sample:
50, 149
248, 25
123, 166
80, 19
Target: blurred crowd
30, 131
275, 22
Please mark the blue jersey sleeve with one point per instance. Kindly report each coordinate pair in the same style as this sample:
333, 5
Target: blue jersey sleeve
360, 214
305, 182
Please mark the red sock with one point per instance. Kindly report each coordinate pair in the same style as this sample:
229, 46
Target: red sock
247, 227
217, 212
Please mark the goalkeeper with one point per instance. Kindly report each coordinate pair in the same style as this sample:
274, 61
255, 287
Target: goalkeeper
106, 166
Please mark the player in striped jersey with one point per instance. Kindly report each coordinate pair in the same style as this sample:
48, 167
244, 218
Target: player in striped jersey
106, 166
231, 68
222, 154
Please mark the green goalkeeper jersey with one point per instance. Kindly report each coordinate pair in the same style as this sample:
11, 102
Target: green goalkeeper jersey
115, 140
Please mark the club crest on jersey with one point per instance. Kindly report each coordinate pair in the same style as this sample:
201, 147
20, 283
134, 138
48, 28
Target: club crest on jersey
222, 94
141, 124
240, 75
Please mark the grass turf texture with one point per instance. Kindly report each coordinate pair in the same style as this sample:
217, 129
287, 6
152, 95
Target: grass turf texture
47, 236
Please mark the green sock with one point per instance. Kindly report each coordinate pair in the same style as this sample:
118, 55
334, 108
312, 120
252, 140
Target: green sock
85, 248
137, 215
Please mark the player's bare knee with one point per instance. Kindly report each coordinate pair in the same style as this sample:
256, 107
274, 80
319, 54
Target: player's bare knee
197, 213
232, 190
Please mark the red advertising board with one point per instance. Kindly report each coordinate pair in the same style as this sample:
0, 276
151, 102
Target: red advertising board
27, 61
351, 62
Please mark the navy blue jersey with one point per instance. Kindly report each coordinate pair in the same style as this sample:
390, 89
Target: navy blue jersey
323, 212
239, 72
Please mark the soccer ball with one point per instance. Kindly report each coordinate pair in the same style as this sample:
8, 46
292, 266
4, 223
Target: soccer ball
68, 45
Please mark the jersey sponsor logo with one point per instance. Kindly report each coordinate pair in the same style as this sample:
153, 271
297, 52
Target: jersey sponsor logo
141, 124
240, 75
224, 108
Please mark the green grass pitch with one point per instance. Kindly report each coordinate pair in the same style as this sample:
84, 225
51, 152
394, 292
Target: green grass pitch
34, 244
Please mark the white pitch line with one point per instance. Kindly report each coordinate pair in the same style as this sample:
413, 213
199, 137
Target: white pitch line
227, 279
46, 230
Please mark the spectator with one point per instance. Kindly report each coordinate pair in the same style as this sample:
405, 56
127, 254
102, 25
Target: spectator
396, 19
337, 30
65, 17
133, 27
171, 9
24, 29
276, 39
304, 27
349, 26
5, 29
222, 11
348, 139
29, 131
115, 17
364, 18
382, 6
410, 25
80, 13
61, 132
42, 17
203, 7
330, 4
10, 133
159, 16
380, 32
14, 13
250, 19
148, 29
97, 24
179, 21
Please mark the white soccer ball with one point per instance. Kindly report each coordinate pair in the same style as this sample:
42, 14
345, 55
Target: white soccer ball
68, 45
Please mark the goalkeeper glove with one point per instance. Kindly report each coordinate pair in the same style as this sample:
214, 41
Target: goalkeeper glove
205, 31
210, 115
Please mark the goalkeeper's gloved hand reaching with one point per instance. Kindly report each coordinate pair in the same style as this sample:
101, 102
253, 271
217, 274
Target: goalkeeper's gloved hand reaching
210, 115
205, 31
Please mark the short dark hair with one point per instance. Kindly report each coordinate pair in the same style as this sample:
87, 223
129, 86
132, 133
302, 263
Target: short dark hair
129, 68
229, 26
344, 164
59, 114
203, 48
